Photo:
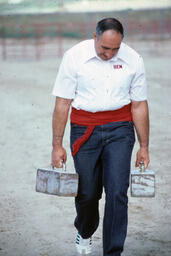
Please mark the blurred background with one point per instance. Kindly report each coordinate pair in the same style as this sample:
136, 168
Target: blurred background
33, 37
38, 29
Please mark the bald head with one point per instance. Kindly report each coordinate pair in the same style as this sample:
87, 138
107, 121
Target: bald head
109, 24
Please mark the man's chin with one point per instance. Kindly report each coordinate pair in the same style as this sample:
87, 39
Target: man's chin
105, 58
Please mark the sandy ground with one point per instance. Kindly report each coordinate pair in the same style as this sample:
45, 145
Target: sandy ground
35, 224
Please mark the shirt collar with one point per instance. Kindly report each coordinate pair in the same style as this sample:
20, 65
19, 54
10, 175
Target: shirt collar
91, 53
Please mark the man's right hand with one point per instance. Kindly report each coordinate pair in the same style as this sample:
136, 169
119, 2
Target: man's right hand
59, 156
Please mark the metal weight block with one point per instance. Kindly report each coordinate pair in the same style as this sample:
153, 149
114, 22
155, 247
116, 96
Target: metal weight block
142, 182
55, 182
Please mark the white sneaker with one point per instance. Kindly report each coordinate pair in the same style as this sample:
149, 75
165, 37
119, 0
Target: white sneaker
83, 245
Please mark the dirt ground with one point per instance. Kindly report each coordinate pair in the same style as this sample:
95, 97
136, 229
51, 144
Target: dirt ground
35, 224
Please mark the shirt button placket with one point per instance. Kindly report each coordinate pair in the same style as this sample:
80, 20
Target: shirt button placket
107, 84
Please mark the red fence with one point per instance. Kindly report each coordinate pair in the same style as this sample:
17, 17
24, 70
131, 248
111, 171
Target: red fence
38, 41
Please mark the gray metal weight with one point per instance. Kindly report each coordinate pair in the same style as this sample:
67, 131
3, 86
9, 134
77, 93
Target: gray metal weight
57, 182
142, 182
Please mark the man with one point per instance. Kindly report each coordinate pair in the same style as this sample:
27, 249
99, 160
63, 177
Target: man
104, 81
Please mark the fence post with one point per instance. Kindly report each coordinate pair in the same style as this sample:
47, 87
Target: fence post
161, 25
131, 31
4, 53
60, 46
84, 29
37, 42
155, 28
23, 38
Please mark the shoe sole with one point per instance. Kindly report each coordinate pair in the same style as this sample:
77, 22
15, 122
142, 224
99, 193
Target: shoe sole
83, 254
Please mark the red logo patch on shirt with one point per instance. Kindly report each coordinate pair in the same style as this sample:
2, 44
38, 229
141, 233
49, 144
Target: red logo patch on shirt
117, 66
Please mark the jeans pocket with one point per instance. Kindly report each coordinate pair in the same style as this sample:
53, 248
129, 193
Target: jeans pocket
76, 132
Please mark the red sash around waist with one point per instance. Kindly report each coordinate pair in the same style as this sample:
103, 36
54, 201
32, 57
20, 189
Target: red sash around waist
89, 119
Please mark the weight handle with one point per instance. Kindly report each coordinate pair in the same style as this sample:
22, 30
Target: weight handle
63, 167
142, 167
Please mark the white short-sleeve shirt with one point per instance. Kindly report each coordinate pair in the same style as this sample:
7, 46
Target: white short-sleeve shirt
98, 85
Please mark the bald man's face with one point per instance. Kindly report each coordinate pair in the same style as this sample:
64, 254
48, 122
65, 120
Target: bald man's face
108, 44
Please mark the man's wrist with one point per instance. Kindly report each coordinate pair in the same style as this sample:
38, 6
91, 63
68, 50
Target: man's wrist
57, 141
144, 146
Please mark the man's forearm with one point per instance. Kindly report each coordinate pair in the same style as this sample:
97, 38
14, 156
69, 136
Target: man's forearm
140, 116
60, 117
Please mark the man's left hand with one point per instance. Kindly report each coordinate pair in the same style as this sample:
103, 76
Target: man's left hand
142, 156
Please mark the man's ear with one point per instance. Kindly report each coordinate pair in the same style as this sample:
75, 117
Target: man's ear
95, 36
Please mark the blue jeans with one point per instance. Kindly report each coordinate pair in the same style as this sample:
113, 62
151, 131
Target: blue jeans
104, 161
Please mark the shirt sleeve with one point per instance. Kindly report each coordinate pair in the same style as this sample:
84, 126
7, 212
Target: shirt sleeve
65, 84
138, 89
